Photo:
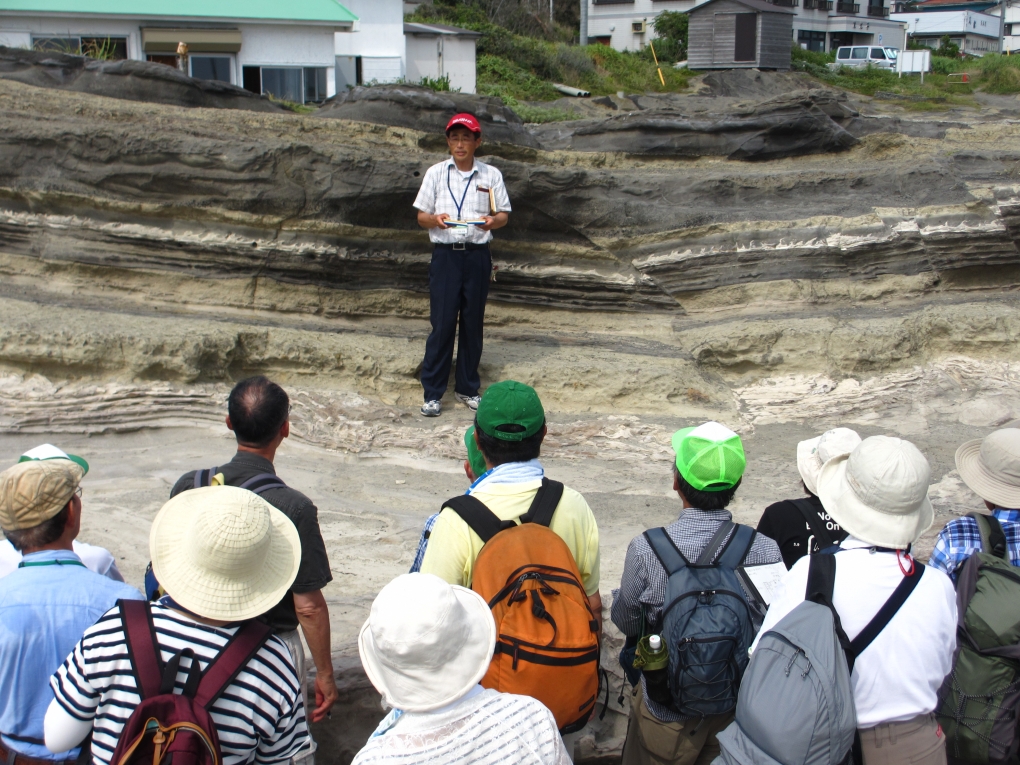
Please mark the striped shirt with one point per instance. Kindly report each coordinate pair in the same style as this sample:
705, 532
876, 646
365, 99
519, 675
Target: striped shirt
260, 717
644, 579
444, 186
484, 728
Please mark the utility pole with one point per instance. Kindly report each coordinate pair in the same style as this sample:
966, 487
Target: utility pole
1002, 26
584, 22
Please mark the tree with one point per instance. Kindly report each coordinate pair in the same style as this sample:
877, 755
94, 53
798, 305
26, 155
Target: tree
671, 35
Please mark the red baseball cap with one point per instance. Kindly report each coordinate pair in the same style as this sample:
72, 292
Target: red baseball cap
466, 120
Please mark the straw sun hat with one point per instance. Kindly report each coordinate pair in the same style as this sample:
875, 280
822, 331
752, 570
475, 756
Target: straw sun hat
815, 452
991, 467
426, 643
224, 553
879, 492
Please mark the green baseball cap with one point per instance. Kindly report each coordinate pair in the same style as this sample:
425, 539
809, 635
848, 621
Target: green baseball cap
710, 456
475, 458
50, 452
510, 403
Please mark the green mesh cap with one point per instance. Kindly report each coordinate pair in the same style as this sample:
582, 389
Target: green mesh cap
510, 403
475, 458
710, 457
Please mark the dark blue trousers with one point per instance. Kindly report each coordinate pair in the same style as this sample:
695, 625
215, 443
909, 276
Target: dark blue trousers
458, 286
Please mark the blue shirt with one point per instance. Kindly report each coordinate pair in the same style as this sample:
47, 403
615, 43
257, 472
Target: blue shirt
961, 538
44, 611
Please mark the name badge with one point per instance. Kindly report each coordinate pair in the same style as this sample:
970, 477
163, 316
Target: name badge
460, 233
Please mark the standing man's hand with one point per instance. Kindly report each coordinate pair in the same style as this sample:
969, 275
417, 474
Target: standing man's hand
492, 222
326, 695
427, 220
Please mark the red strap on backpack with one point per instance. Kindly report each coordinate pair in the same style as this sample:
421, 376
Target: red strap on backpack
147, 664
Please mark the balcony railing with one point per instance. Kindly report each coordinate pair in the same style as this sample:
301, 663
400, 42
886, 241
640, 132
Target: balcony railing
818, 5
786, 3
878, 10
848, 8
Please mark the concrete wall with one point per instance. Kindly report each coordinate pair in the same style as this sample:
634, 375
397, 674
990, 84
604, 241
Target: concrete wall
379, 39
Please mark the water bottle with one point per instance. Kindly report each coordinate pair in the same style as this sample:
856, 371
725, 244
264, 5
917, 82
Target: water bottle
653, 659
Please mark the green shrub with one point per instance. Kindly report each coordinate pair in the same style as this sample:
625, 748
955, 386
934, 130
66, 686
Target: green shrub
800, 56
438, 84
1000, 74
943, 65
671, 36
500, 77
946, 49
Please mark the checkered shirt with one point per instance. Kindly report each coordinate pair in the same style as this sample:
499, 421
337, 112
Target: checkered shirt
435, 197
423, 543
961, 538
644, 578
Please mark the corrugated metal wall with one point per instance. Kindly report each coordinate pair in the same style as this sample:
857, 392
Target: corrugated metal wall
775, 38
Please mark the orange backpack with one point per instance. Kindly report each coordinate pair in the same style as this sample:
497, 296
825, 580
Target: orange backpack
547, 644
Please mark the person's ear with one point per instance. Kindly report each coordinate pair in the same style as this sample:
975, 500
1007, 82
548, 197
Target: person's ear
73, 524
989, 505
468, 472
285, 429
676, 482
230, 425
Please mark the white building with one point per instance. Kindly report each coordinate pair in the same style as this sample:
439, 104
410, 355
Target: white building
376, 52
286, 49
437, 50
1011, 38
820, 25
975, 33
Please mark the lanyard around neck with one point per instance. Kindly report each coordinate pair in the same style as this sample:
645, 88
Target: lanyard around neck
34, 563
467, 185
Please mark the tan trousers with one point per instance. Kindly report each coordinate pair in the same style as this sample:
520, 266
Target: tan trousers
919, 741
650, 741
297, 653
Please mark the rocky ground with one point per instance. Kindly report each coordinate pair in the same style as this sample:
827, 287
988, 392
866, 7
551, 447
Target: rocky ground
760, 250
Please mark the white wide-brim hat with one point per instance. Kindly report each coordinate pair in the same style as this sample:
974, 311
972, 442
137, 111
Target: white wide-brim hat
224, 553
991, 467
879, 492
426, 643
815, 452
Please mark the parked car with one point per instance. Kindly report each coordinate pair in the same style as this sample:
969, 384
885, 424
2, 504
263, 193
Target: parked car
860, 56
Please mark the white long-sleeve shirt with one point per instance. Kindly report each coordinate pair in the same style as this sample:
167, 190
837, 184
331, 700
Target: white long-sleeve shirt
898, 675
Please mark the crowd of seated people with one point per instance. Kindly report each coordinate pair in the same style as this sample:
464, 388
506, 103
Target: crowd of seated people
489, 650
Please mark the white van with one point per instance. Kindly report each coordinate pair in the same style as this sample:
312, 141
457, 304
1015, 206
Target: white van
864, 55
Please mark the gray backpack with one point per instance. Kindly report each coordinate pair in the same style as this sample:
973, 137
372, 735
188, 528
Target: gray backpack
796, 704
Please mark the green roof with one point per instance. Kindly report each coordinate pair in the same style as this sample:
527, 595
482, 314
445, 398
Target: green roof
321, 11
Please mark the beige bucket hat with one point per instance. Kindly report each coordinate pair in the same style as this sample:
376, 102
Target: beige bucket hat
879, 492
815, 452
35, 491
426, 643
991, 467
223, 552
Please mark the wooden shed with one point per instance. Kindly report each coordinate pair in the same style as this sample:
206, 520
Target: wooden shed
740, 34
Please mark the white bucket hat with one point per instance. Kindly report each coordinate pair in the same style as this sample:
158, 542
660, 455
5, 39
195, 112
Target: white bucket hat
815, 452
879, 492
426, 643
991, 467
223, 552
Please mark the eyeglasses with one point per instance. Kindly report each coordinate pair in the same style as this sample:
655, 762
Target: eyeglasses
78, 492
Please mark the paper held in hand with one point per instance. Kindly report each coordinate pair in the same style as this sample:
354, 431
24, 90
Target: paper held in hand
464, 223
763, 580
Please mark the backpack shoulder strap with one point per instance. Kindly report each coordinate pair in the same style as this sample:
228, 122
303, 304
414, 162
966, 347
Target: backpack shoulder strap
711, 551
807, 509
204, 477
887, 611
666, 551
544, 504
143, 650
820, 584
263, 482
475, 514
993, 539
738, 547
234, 657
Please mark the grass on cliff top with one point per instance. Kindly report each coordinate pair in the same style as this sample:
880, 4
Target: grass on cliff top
992, 73
522, 68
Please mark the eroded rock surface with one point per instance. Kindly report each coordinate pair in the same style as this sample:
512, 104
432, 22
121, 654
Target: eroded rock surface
130, 80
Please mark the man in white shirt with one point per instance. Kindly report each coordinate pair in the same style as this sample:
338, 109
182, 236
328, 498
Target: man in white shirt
461, 202
425, 646
879, 495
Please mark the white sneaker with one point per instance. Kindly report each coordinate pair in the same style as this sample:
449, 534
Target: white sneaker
432, 408
471, 402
